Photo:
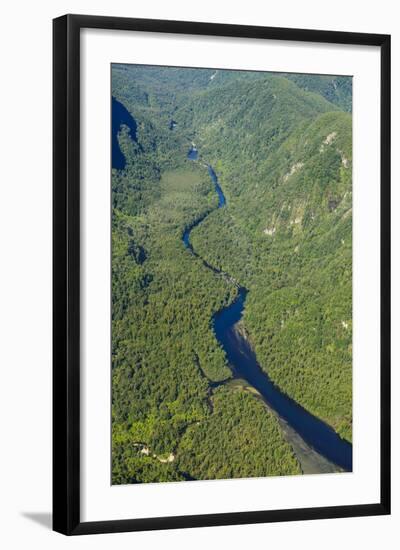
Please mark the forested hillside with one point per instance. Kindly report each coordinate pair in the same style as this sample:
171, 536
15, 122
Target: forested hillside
283, 158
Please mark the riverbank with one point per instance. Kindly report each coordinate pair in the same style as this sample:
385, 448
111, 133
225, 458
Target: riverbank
310, 461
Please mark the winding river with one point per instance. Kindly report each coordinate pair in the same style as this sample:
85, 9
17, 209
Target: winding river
317, 446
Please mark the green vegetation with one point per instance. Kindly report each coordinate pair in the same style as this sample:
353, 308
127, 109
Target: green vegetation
240, 439
337, 89
163, 299
283, 158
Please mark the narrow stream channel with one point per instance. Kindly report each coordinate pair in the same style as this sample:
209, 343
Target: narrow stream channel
312, 440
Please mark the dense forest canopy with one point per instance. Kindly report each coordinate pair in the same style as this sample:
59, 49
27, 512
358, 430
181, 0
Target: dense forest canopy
281, 146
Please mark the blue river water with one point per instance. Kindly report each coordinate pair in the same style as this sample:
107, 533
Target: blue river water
243, 363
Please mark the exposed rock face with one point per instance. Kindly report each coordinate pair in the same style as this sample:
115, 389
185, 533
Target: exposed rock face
269, 230
295, 168
329, 138
345, 161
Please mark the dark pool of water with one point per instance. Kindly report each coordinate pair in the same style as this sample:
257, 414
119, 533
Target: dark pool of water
193, 153
120, 115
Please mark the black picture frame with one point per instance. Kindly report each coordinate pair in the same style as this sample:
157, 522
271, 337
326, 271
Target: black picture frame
66, 273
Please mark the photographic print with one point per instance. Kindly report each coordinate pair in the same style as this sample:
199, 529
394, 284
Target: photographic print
231, 274
221, 274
